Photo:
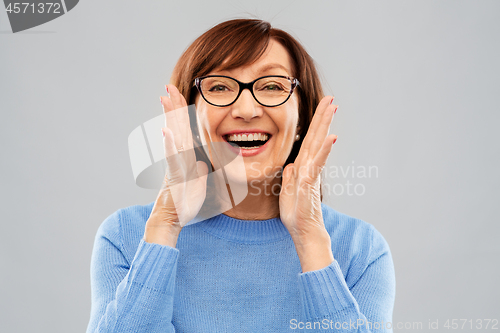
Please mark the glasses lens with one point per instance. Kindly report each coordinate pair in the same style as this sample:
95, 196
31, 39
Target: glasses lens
219, 90
272, 90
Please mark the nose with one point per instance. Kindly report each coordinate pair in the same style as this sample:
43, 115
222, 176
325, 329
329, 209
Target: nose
246, 107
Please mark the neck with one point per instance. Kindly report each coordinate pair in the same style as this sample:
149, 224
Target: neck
259, 204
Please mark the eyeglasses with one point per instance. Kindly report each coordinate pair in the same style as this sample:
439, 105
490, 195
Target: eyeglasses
270, 90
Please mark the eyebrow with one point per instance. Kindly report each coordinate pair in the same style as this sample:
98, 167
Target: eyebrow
261, 70
271, 66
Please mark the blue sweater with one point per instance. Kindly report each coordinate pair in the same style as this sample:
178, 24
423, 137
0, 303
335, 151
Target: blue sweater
230, 275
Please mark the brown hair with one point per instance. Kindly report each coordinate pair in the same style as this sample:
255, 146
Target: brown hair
240, 42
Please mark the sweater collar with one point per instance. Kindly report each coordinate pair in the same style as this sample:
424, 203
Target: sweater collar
245, 231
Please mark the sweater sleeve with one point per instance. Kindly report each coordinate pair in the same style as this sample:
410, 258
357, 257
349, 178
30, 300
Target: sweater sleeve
364, 307
130, 297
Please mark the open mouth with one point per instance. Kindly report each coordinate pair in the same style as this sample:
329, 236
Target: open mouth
248, 140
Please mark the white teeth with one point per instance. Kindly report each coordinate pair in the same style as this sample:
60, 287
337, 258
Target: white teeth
248, 137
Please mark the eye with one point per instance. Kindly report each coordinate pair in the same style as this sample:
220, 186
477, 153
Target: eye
218, 88
272, 86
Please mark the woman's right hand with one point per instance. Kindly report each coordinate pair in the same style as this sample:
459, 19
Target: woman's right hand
183, 189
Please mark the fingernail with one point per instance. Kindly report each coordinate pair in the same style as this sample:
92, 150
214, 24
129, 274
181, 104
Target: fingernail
334, 140
166, 87
331, 101
161, 101
336, 109
162, 133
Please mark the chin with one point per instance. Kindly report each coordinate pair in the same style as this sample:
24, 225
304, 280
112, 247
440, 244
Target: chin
254, 173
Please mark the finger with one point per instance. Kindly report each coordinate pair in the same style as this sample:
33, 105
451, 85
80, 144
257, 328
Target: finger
171, 120
179, 103
178, 100
287, 172
323, 128
288, 183
181, 166
182, 157
175, 121
181, 113
173, 164
306, 144
180, 118
202, 169
168, 142
322, 156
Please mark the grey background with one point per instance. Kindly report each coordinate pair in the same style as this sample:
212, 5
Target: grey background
417, 83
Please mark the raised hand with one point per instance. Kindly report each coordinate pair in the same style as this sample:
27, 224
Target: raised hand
183, 189
299, 201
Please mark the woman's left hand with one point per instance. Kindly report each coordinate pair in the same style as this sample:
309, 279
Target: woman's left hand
300, 201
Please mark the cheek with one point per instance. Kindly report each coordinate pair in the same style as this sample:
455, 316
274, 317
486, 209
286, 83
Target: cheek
290, 127
289, 123
292, 113
208, 120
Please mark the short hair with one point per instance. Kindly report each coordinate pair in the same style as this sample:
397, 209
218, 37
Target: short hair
240, 42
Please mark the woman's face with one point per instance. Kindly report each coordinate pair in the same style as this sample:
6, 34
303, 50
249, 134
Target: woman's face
247, 117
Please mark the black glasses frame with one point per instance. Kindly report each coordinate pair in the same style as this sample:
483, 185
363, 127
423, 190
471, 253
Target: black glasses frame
248, 85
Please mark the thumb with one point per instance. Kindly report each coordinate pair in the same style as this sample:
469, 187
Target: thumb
202, 169
288, 172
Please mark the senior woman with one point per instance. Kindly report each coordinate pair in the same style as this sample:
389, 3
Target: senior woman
277, 261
